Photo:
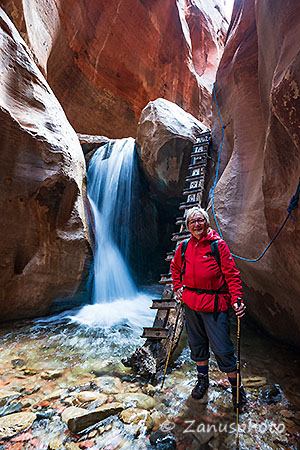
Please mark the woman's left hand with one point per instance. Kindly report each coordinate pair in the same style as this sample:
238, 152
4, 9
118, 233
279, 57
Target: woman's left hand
239, 310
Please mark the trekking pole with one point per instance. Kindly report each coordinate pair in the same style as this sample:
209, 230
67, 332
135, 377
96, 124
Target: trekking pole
238, 375
171, 343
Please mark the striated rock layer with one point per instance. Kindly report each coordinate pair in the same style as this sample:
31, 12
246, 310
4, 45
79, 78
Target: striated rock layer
258, 88
106, 59
43, 244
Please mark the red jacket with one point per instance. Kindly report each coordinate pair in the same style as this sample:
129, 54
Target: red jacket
202, 272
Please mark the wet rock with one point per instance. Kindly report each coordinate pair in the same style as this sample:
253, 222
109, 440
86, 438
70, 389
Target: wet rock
137, 416
109, 384
148, 389
15, 423
69, 401
93, 434
133, 389
90, 396
89, 418
254, 382
162, 440
71, 412
88, 443
55, 395
71, 446
56, 443
7, 396
271, 395
158, 419
16, 363
90, 143
27, 402
33, 390
51, 374
286, 413
139, 400
11, 408
23, 437
30, 371
45, 414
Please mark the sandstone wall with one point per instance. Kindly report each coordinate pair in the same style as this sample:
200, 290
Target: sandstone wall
106, 59
43, 242
258, 88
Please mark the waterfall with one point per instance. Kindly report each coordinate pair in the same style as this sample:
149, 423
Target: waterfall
110, 185
111, 180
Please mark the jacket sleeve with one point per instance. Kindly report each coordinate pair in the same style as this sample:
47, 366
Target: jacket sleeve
176, 269
230, 272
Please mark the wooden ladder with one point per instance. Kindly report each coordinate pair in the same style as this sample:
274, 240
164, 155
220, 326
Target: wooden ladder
194, 191
148, 360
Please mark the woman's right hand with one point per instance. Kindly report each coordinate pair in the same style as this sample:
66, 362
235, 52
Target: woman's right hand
178, 294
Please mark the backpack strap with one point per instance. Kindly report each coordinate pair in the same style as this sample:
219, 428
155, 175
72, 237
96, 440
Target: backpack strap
183, 261
215, 251
214, 245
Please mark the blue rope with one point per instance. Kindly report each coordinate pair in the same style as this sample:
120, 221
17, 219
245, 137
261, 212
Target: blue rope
292, 206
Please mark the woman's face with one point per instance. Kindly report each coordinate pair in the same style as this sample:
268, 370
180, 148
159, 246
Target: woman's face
197, 226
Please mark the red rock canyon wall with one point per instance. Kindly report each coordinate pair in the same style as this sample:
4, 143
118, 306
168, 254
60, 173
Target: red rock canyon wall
106, 59
43, 241
258, 88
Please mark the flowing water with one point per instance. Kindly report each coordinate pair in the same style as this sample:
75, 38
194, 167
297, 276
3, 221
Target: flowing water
48, 362
110, 185
112, 175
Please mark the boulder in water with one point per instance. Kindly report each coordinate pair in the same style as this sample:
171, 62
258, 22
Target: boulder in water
7, 396
140, 400
15, 423
137, 416
81, 422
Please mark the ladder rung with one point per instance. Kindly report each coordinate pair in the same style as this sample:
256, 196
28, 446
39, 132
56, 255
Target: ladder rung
180, 236
197, 166
195, 178
159, 304
192, 190
165, 280
188, 205
155, 333
180, 220
202, 140
200, 153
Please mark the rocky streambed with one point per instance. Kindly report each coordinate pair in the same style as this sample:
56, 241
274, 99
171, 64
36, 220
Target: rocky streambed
63, 386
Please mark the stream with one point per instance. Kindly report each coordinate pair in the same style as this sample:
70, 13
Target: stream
51, 363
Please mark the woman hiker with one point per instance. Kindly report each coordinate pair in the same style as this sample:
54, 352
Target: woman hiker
206, 279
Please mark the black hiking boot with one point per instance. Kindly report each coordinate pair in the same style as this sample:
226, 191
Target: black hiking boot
242, 399
201, 387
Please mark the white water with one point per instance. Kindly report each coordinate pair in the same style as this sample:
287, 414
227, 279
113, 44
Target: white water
133, 312
110, 194
115, 296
